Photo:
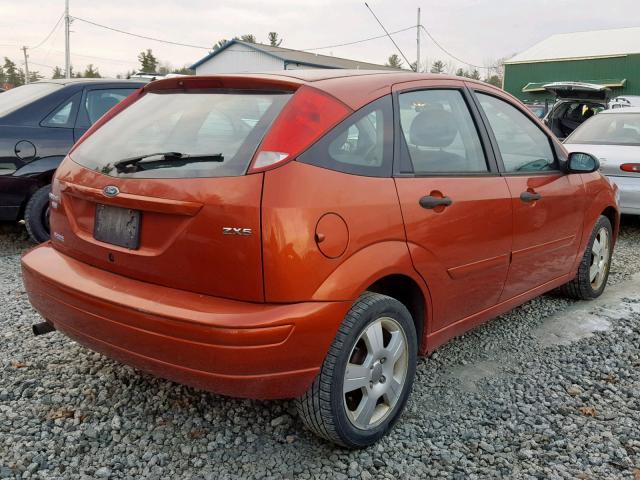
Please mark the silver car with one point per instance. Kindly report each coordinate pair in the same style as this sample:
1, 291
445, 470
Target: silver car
613, 136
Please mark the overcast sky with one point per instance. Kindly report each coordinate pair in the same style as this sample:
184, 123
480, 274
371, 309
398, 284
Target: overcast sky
474, 30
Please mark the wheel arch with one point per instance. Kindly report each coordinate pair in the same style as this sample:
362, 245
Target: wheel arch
408, 292
614, 217
386, 267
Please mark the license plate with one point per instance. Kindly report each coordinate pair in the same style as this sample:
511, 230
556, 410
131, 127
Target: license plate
117, 226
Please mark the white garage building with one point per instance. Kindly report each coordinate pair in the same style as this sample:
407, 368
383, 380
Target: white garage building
237, 56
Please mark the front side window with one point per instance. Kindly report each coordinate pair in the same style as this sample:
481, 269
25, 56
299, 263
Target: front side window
524, 147
360, 145
99, 102
198, 134
440, 133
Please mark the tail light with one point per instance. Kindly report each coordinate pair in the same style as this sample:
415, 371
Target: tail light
307, 116
109, 115
630, 167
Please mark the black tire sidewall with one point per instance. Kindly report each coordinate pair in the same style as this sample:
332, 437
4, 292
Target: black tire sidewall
34, 214
352, 436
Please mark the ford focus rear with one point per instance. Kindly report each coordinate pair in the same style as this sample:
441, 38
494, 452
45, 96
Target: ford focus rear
308, 236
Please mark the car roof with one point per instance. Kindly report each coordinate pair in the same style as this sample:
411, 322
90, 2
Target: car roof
620, 110
76, 81
355, 88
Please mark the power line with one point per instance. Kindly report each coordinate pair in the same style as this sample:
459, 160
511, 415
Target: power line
358, 41
448, 52
209, 48
49, 35
389, 35
42, 65
140, 36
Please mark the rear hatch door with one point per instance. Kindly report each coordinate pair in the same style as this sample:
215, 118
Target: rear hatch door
160, 192
578, 91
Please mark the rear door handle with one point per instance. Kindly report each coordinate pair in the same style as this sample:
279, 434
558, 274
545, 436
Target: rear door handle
530, 196
431, 202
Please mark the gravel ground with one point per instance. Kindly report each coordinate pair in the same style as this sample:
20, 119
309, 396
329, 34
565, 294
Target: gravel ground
500, 402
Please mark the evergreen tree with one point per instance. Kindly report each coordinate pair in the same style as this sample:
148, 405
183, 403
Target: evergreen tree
249, 38
57, 73
12, 74
274, 39
394, 61
219, 44
148, 62
438, 67
475, 74
91, 72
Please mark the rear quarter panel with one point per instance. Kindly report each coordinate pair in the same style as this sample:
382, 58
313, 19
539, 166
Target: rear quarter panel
296, 197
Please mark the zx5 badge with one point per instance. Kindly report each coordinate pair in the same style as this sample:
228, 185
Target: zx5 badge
244, 232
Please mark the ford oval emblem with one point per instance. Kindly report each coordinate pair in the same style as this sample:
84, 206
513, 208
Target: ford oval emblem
110, 191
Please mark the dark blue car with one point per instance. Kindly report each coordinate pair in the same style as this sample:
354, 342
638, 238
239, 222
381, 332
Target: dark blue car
39, 123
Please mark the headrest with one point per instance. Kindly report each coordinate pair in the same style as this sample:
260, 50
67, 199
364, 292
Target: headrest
433, 127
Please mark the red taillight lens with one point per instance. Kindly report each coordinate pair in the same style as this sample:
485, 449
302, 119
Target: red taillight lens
108, 116
307, 116
630, 167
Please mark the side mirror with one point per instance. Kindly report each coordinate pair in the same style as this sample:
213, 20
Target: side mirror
582, 163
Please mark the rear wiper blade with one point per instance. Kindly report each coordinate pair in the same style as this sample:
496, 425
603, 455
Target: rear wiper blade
176, 158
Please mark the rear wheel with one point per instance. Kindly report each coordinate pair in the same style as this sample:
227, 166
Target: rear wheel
593, 272
36, 215
367, 376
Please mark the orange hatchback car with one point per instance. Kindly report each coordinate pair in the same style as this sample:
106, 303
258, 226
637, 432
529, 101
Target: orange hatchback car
308, 234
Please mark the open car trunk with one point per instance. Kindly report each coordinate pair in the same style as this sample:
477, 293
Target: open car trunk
576, 103
578, 91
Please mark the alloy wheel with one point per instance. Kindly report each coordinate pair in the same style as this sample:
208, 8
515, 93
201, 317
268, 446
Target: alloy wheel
376, 373
600, 258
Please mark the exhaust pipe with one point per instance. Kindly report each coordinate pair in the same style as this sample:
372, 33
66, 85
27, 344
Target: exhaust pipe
42, 328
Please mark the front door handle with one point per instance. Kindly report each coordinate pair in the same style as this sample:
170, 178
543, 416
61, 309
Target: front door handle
431, 202
530, 196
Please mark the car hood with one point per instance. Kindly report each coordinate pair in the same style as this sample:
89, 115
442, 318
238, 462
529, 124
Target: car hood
578, 90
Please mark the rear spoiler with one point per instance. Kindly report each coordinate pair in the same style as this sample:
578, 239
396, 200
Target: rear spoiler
256, 82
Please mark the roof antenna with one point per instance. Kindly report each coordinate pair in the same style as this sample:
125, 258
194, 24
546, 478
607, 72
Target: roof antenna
390, 38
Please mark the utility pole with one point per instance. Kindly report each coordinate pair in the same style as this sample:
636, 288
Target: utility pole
67, 51
26, 65
418, 42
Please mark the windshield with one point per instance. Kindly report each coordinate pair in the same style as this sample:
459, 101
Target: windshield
609, 129
224, 128
17, 97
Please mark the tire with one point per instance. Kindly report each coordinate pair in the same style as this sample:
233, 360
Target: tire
342, 417
586, 286
36, 215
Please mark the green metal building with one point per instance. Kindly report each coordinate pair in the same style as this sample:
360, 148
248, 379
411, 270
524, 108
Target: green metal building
606, 57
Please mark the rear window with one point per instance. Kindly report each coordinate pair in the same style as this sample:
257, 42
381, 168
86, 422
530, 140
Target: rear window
18, 97
194, 134
609, 129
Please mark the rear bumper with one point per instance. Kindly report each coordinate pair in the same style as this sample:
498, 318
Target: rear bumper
240, 349
629, 194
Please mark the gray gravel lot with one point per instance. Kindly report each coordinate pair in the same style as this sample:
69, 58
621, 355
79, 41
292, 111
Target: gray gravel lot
521, 397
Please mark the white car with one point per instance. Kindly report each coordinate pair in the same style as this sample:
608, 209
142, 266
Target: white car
613, 136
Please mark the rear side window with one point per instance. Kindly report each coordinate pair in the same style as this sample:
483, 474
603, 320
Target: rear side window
204, 133
440, 133
360, 145
64, 115
99, 102
524, 147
